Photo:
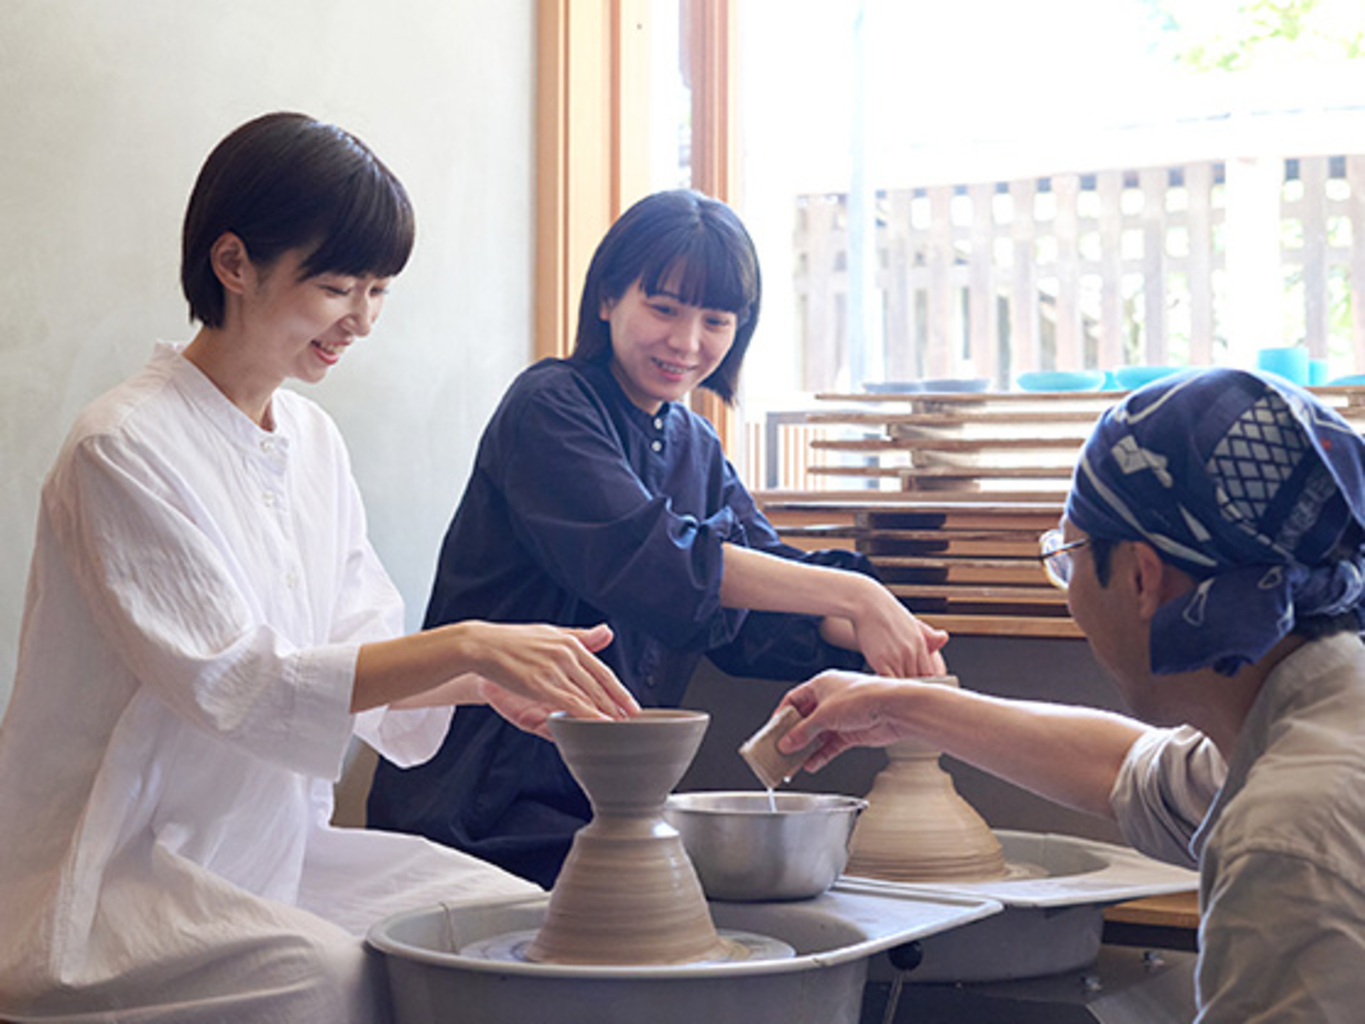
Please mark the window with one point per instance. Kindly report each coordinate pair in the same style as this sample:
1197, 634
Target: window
973, 189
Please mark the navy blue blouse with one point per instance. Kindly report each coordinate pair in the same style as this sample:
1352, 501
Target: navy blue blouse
582, 508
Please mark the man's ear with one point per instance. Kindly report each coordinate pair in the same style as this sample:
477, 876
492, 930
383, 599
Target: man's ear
231, 263
1155, 581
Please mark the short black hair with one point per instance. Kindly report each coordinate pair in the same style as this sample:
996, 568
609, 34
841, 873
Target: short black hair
693, 245
1101, 552
286, 181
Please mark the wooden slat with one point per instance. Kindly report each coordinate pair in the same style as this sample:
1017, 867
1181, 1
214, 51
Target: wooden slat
1177, 910
1069, 332
786, 518
1043, 399
965, 488
966, 523
816, 542
966, 444
1153, 181
1003, 625
1009, 572
1025, 335
1041, 596
1199, 226
974, 489
819, 530
1313, 175
897, 503
983, 327
901, 256
908, 474
858, 471
946, 545
952, 418
1109, 187
940, 305
1355, 178
1062, 474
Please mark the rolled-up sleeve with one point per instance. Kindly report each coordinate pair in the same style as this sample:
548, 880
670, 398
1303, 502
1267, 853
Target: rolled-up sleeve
1164, 789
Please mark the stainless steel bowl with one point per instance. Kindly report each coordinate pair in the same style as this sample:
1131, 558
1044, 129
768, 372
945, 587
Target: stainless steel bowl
743, 849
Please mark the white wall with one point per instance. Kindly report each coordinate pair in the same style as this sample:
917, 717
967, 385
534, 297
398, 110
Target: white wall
107, 111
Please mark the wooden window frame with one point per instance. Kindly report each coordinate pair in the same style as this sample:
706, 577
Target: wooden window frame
592, 142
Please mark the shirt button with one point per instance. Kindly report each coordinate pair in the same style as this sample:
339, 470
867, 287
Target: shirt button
291, 579
658, 446
658, 423
268, 498
267, 446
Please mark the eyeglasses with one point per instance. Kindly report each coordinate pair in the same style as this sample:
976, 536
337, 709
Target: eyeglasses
1056, 557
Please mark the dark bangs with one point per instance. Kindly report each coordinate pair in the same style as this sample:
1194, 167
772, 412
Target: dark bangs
701, 268
367, 226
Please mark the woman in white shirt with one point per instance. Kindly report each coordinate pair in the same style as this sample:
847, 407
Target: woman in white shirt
207, 626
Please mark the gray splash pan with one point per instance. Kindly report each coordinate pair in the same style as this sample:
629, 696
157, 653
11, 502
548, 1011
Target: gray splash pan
1051, 923
834, 936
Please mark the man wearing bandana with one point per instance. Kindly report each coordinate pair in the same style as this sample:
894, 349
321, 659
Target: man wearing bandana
1213, 552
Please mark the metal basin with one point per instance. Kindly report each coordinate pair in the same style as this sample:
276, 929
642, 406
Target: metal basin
432, 977
745, 848
1054, 898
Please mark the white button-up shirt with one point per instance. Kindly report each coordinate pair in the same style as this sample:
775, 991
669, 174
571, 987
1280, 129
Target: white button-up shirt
198, 594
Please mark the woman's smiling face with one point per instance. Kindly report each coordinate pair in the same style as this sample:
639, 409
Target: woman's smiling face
308, 322
662, 347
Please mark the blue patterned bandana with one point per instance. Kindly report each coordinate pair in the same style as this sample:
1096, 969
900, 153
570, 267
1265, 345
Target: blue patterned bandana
1249, 484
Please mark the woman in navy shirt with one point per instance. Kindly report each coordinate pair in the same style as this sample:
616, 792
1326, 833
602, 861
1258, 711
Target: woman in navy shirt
597, 495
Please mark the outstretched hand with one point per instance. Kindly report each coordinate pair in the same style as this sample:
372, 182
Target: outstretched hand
841, 710
894, 642
528, 672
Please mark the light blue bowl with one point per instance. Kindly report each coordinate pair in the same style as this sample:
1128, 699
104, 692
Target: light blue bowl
1130, 377
892, 387
1061, 380
955, 385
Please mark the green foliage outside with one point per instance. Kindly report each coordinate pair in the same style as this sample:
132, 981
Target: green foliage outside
1241, 35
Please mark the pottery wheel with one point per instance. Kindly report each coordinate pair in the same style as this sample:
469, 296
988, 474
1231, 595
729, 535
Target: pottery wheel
739, 946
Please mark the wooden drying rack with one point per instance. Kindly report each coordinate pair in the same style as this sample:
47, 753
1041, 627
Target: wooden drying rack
981, 476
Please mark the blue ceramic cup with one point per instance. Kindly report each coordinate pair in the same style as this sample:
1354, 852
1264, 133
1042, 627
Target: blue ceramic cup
1290, 362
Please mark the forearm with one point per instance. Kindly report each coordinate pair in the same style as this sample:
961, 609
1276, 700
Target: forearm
768, 583
421, 670
1070, 755
463, 689
529, 669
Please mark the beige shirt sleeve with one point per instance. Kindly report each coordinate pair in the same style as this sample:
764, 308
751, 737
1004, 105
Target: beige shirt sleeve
1163, 791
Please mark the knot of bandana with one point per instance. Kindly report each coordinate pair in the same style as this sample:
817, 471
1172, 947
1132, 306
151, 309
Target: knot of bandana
1246, 482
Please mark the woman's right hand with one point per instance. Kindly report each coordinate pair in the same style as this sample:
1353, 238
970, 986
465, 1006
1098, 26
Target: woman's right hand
892, 641
544, 669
